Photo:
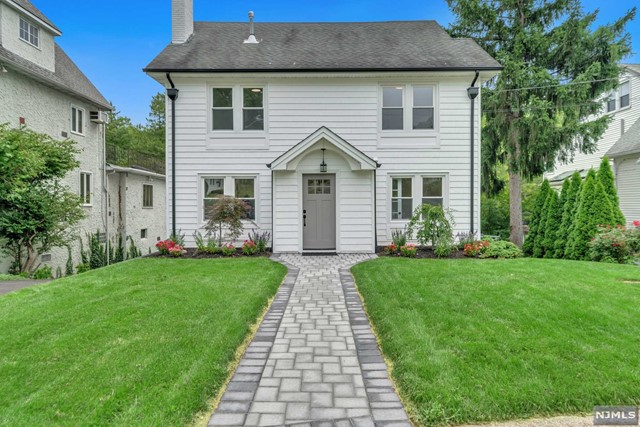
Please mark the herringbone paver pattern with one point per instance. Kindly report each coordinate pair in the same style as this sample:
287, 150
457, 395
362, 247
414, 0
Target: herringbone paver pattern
315, 362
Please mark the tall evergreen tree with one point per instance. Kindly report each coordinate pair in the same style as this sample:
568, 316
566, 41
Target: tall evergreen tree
594, 209
556, 66
568, 213
538, 243
554, 218
536, 217
608, 181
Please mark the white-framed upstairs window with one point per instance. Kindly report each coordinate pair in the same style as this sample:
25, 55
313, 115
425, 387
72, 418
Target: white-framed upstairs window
241, 187
77, 120
238, 109
408, 108
410, 191
625, 94
147, 196
86, 189
222, 108
29, 33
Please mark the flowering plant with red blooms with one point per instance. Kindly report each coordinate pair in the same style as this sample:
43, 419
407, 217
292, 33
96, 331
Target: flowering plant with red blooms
249, 247
615, 244
636, 223
476, 248
164, 246
390, 249
410, 250
228, 250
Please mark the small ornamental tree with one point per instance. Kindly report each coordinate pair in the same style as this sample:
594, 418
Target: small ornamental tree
226, 215
594, 209
608, 181
36, 209
536, 216
552, 225
568, 211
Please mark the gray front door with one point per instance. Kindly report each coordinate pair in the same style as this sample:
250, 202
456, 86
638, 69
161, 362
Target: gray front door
319, 212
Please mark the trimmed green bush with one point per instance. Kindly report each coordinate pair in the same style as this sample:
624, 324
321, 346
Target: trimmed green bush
552, 225
569, 206
608, 181
536, 216
501, 249
594, 209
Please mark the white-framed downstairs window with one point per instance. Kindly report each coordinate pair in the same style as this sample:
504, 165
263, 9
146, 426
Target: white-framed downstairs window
240, 187
401, 198
433, 190
86, 188
29, 33
77, 120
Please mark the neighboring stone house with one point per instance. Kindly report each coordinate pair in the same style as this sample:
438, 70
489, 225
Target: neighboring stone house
44, 90
333, 132
624, 107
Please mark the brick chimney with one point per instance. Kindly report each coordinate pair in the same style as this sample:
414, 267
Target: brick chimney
182, 20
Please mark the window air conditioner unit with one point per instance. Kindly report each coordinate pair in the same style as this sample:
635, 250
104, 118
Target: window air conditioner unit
99, 117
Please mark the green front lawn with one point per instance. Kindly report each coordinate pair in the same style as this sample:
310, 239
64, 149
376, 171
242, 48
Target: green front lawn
143, 343
482, 340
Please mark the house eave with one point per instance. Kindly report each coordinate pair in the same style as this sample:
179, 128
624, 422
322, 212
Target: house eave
316, 70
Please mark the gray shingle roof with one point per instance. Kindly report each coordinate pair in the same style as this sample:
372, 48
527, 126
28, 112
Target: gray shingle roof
354, 46
29, 7
628, 143
633, 67
67, 76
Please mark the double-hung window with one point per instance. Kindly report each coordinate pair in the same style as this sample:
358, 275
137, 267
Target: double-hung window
77, 120
147, 195
243, 188
222, 106
624, 94
252, 108
611, 102
409, 192
29, 33
408, 108
392, 108
85, 188
401, 198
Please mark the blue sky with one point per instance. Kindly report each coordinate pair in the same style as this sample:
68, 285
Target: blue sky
111, 41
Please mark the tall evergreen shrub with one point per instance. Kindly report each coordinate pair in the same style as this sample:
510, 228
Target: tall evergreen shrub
608, 181
552, 226
569, 206
536, 215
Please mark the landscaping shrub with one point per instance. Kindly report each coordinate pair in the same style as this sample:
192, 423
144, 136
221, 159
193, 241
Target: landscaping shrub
616, 244
249, 248
178, 238
476, 248
261, 239
538, 243
501, 249
569, 206
594, 209
43, 273
169, 247
536, 217
399, 237
432, 225
208, 246
82, 268
409, 251
390, 249
227, 214
443, 249
551, 225
608, 181
228, 250
69, 266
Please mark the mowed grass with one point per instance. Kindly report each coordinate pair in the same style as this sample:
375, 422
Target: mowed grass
483, 340
143, 343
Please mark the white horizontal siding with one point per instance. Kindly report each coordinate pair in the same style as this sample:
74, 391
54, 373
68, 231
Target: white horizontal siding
628, 181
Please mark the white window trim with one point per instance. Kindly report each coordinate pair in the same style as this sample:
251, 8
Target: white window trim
616, 95
238, 107
80, 183
416, 189
152, 196
408, 110
413, 194
84, 120
229, 190
31, 24
619, 93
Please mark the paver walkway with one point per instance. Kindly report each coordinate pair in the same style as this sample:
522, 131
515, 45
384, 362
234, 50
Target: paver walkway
314, 360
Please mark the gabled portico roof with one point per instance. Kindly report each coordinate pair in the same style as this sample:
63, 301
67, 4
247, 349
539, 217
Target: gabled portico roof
326, 138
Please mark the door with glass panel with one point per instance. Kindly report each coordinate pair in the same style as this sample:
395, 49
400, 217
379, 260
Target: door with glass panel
319, 212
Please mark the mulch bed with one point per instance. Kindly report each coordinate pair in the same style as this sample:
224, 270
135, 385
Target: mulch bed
426, 253
194, 254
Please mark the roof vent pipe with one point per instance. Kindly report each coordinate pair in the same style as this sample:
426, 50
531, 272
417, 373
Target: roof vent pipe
252, 34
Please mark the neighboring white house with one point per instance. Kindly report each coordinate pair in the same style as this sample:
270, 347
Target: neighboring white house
43, 89
333, 132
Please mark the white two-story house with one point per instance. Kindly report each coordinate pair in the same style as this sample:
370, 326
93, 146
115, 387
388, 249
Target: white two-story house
43, 89
333, 132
